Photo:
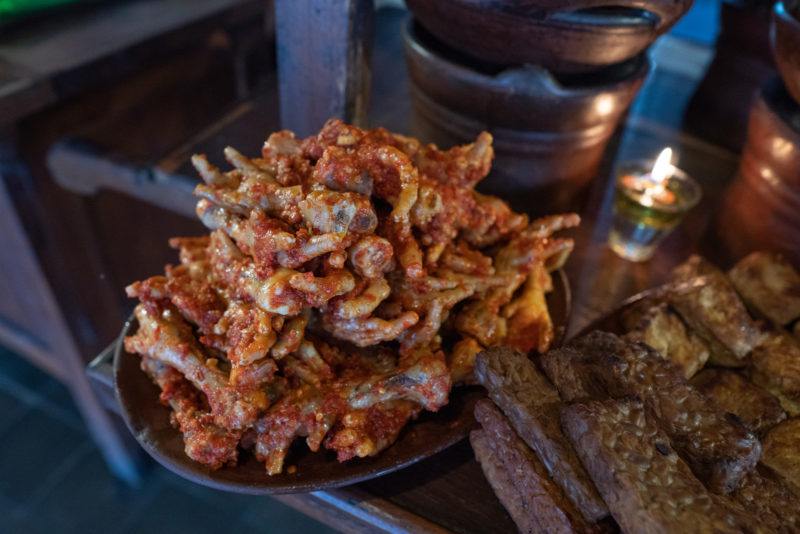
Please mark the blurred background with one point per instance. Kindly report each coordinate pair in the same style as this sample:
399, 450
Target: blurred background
101, 104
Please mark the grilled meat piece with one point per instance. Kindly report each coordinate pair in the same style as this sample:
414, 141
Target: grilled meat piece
769, 284
765, 495
533, 406
663, 330
647, 487
733, 393
776, 367
782, 453
500, 480
717, 446
715, 312
544, 500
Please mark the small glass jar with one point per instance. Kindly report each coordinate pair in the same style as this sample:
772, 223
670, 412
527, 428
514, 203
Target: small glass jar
644, 215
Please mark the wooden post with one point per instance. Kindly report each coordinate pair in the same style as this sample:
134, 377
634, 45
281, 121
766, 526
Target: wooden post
323, 49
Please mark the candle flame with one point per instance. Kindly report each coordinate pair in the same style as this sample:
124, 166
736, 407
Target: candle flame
658, 178
663, 169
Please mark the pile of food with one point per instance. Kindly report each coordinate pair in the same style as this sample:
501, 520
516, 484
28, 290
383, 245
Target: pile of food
687, 422
349, 280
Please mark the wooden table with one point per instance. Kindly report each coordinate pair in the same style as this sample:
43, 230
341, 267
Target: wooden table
448, 492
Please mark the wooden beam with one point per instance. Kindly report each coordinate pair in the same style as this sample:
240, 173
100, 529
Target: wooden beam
84, 169
323, 51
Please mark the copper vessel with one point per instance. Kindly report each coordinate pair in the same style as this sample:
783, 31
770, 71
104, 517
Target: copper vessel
763, 203
550, 132
576, 36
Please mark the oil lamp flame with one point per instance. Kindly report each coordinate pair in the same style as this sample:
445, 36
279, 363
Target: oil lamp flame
663, 169
650, 200
656, 190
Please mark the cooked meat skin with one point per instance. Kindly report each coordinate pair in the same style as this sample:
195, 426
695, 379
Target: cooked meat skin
532, 406
663, 330
782, 454
766, 496
718, 447
318, 306
544, 500
647, 487
733, 393
776, 368
204, 441
500, 481
715, 312
769, 284
165, 337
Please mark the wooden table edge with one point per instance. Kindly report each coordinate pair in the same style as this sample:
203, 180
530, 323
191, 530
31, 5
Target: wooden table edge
353, 510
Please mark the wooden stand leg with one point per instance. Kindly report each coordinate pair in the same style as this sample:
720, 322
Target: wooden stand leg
323, 51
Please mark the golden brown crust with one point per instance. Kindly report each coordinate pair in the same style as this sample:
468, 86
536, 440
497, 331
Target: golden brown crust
715, 312
765, 495
733, 393
532, 405
663, 330
719, 448
769, 284
647, 487
782, 453
776, 368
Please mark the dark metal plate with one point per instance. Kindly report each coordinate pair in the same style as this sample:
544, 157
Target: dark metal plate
148, 420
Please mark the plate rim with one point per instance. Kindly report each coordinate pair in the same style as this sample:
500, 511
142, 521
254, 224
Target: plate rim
617, 310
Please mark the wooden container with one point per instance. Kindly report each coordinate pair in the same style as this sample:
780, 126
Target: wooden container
576, 36
786, 43
549, 133
763, 203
